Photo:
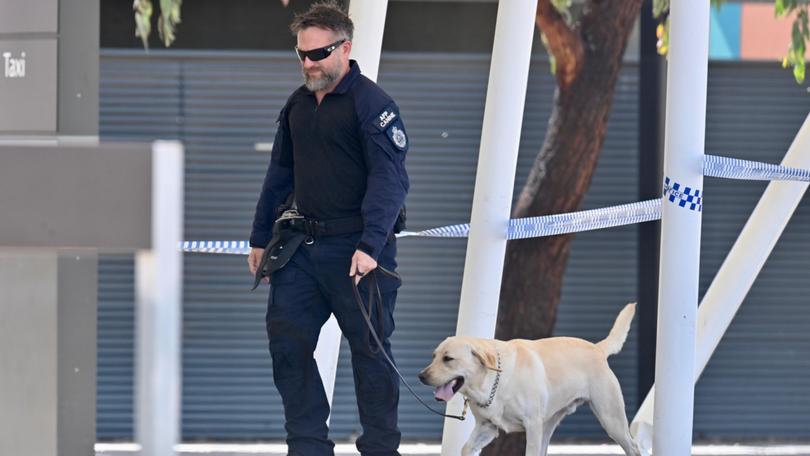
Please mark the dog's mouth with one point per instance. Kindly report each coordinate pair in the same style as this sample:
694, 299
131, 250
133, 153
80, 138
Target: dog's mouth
449, 389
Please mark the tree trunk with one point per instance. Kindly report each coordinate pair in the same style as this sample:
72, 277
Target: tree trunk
558, 180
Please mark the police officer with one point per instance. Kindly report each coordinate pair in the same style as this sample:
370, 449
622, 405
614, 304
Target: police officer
340, 150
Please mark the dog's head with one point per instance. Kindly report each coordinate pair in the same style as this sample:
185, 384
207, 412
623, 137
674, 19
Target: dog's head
456, 361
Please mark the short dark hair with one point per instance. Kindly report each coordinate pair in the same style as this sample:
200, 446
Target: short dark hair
327, 15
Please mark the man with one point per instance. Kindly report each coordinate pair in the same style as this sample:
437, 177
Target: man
340, 150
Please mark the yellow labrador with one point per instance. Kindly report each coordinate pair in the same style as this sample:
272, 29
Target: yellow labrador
532, 385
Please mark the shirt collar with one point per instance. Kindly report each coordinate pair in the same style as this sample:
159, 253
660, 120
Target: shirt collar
348, 79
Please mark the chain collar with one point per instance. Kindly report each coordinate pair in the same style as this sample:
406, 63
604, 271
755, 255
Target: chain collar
494, 385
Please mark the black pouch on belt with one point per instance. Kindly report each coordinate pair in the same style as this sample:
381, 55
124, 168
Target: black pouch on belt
282, 246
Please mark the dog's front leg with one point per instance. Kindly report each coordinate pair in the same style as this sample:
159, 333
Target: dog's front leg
483, 433
534, 439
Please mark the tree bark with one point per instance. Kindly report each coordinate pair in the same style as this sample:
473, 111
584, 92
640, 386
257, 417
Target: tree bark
561, 174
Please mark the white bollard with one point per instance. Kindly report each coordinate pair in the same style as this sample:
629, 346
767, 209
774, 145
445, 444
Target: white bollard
159, 282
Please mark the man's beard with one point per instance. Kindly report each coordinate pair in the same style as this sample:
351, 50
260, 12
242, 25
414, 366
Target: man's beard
317, 83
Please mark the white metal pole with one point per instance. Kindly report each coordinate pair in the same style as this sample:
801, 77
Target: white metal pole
369, 22
159, 281
680, 227
494, 182
740, 268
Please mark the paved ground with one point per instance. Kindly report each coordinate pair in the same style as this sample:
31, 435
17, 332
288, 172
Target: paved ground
432, 449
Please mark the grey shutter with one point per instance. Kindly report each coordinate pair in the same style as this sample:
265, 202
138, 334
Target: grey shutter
756, 385
115, 356
139, 101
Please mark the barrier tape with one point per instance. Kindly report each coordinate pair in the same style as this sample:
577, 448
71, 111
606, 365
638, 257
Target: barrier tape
574, 222
733, 168
682, 195
228, 247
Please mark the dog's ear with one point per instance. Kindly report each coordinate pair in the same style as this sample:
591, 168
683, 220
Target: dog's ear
486, 355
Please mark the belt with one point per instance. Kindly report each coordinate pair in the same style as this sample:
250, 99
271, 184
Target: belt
317, 228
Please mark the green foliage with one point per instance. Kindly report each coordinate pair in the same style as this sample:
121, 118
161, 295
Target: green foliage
662, 33
561, 5
800, 35
660, 7
167, 22
143, 14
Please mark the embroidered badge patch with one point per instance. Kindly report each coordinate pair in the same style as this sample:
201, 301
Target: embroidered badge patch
399, 138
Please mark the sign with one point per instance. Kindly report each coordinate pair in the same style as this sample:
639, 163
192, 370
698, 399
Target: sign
28, 85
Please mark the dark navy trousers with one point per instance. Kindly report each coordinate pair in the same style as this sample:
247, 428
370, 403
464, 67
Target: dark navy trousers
313, 285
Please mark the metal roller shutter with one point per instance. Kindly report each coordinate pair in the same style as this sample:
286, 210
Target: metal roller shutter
756, 385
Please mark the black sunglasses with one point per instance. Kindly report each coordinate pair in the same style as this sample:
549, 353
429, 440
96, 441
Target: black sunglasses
320, 53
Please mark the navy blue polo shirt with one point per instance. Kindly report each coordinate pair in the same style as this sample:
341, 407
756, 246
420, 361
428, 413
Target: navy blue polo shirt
343, 158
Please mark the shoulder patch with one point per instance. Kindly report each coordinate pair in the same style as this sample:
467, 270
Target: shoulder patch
398, 137
385, 118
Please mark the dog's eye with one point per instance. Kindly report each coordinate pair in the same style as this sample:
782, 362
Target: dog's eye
447, 359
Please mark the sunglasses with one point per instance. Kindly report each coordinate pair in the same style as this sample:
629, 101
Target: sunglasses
320, 53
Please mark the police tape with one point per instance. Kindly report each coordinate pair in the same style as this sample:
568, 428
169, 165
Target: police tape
734, 168
227, 247
572, 222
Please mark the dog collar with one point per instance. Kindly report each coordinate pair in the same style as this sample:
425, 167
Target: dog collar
494, 385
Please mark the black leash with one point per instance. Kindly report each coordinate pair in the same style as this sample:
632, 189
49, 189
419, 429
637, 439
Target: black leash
380, 348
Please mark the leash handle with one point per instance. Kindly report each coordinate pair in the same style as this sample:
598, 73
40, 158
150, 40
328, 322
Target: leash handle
367, 318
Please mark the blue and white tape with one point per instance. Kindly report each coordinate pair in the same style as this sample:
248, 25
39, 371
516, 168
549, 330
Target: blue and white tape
683, 196
733, 168
227, 247
452, 231
594, 219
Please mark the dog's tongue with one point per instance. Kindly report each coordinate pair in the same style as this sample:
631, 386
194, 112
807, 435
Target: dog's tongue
445, 393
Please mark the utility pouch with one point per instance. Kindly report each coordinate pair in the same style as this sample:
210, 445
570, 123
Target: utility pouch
282, 245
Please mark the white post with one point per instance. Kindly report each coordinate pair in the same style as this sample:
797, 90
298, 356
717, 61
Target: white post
680, 227
159, 281
369, 24
740, 268
369, 21
494, 181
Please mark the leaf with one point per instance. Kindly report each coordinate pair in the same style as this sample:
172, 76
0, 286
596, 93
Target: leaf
798, 71
779, 8
168, 20
796, 33
561, 5
660, 7
143, 18
798, 47
662, 31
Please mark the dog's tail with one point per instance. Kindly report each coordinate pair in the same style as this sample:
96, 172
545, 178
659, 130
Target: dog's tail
613, 343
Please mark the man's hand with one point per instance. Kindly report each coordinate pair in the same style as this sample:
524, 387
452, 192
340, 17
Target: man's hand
254, 259
362, 264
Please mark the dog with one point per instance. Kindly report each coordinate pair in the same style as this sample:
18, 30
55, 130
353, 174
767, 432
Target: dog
531, 385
